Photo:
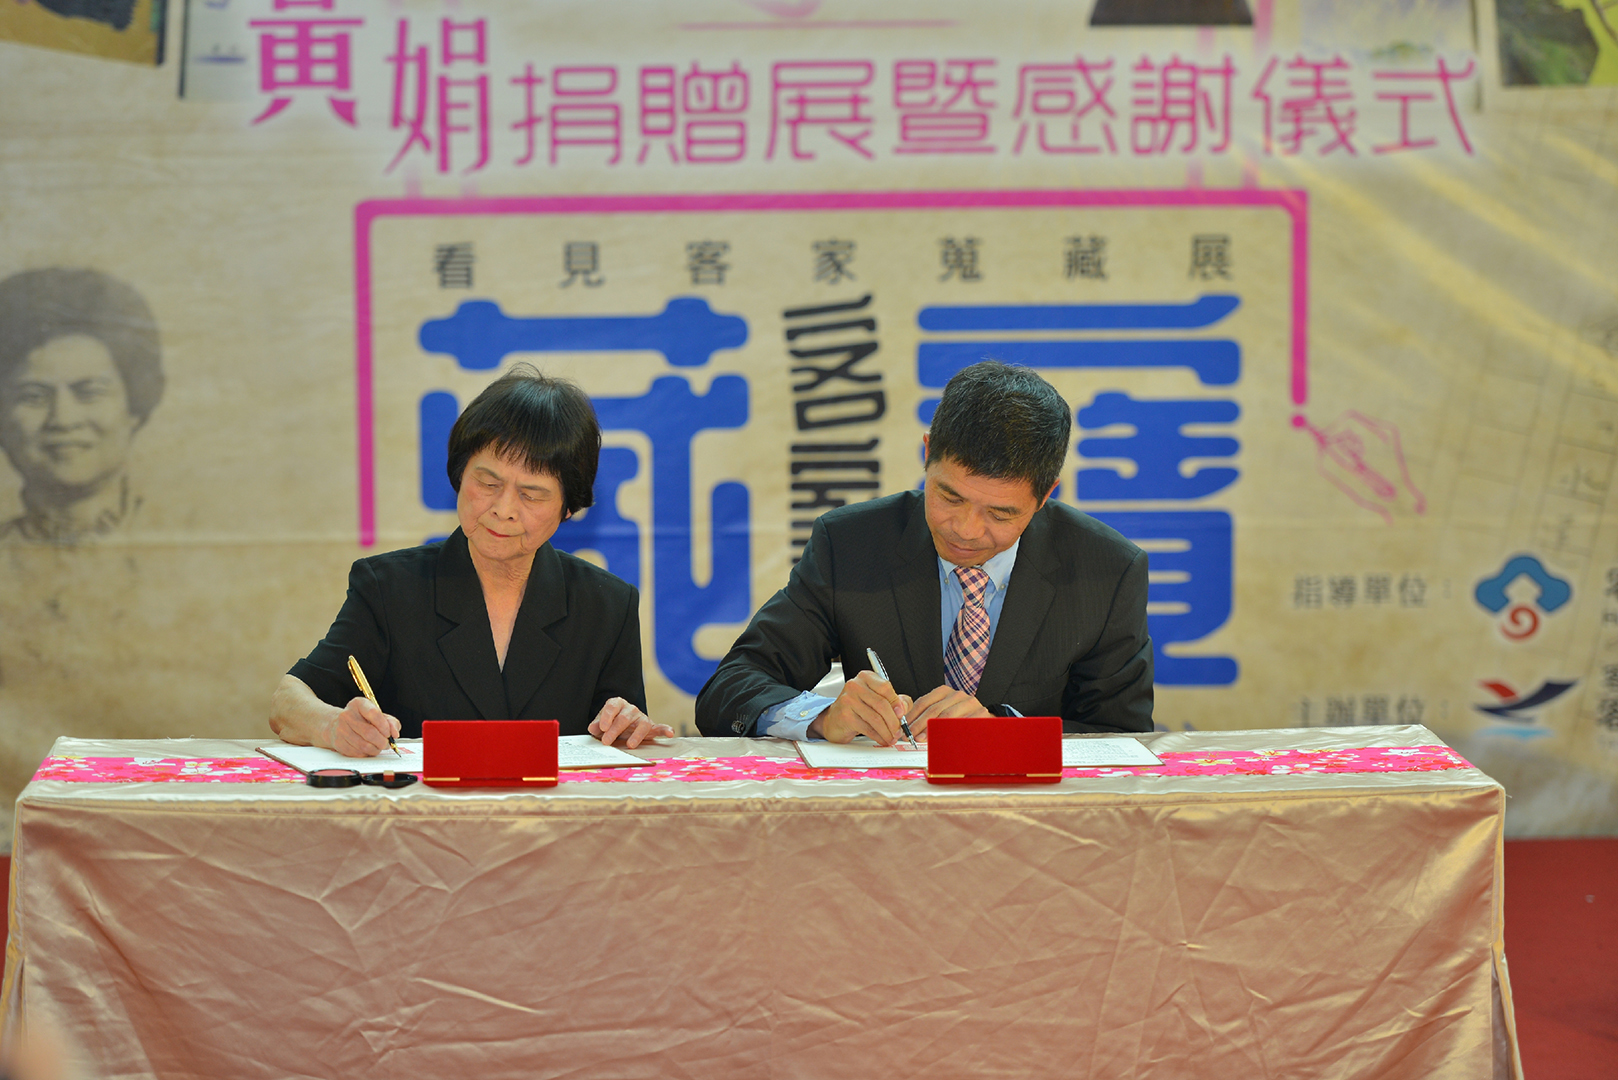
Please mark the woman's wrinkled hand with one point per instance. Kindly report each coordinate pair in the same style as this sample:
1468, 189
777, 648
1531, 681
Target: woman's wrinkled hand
361, 729
620, 723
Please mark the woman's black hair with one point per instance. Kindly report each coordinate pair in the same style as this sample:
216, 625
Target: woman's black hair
546, 424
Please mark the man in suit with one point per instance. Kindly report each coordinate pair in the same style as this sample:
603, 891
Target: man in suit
979, 594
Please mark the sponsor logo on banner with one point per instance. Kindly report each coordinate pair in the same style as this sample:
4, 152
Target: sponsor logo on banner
1519, 713
1521, 620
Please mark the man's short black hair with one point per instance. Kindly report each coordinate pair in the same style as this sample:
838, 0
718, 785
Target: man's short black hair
1003, 422
546, 424
39, 306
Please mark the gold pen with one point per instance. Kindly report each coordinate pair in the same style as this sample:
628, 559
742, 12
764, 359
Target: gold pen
882, 673
365, 688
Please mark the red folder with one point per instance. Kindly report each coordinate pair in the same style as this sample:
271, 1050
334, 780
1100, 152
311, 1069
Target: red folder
994, 750
489, 753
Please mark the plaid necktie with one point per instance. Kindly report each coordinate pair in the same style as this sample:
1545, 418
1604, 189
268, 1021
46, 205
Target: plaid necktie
969, 642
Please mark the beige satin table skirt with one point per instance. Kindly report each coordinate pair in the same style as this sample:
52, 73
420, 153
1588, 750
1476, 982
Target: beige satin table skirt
1237, 927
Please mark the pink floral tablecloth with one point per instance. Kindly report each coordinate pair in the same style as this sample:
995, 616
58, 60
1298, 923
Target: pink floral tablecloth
261, 770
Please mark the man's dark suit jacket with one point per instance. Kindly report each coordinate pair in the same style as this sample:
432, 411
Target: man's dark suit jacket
1071, 640
416, 621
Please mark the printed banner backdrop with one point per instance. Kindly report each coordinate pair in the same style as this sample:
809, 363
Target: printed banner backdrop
1329, 293
117, 29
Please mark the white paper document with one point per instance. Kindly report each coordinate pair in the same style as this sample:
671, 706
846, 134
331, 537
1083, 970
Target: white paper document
308, 758
1076, 754
1106, 753
861, 754
572, 752
588, 752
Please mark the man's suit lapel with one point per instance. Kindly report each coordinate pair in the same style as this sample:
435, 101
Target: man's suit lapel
1029, 595
468, 647
533, 652
916, 594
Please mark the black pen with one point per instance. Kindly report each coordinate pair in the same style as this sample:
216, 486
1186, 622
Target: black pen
882, 673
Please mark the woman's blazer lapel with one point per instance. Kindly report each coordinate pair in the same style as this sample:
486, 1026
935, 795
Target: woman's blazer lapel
468, 646
533, 652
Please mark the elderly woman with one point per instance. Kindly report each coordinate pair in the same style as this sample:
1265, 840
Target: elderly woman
79, 374
492, 623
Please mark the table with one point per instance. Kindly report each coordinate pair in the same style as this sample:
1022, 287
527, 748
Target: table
1298, 923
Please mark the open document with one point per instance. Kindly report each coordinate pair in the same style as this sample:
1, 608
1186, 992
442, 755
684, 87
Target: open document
572, 752
1088, 753
588, 752
309, 758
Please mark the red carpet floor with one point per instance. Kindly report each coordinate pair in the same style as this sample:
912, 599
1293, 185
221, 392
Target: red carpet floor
1562, 946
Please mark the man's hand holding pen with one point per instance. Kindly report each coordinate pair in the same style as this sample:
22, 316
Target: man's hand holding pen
942, 701
868, 705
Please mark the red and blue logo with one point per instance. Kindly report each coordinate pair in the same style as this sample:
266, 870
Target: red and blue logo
1521, 711
1521, 621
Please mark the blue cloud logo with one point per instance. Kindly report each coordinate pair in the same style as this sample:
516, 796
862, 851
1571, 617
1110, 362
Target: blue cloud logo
1553, 591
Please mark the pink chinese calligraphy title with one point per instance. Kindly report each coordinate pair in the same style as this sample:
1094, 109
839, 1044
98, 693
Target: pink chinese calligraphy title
452, 108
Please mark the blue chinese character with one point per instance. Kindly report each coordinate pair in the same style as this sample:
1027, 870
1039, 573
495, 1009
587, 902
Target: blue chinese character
1201, 312
671, 415
436, 415
1194, 584
687, 332
602, 528
1216, 361
1157, 447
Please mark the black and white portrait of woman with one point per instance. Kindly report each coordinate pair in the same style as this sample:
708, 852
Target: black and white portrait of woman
80, 372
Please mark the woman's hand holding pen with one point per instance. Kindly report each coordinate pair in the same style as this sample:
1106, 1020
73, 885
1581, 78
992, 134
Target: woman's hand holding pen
867, 706
361, 729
